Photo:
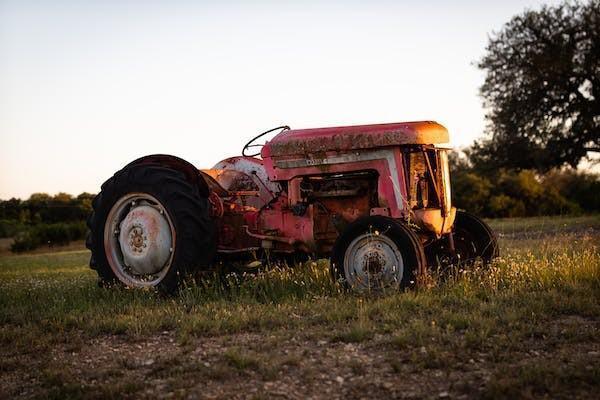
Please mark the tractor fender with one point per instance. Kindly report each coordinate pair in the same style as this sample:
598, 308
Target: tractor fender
192, 174
254, 168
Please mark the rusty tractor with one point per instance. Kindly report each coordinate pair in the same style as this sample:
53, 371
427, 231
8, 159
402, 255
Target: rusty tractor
374, 199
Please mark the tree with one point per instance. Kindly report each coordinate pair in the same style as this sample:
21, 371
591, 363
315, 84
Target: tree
542, 89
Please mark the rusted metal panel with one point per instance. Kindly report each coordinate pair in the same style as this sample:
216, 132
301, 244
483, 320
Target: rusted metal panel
387, 163
312, 183
217, 207
305, 141
254, 168
280, 221
207, 176
232, 235
433, 220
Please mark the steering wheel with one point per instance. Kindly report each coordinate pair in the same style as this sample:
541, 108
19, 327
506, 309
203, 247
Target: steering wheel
251, 143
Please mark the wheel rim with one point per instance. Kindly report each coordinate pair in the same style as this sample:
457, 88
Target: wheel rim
139, 239
373, 261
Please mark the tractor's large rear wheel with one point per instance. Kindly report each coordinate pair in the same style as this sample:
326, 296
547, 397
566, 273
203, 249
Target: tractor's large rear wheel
149, 228
377, 253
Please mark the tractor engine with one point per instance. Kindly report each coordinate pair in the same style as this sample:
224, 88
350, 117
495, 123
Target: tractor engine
311, 184
305, 214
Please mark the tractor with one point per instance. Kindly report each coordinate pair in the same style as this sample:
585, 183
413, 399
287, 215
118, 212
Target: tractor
374, 199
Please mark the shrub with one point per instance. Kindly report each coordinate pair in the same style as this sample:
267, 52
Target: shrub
471, 191
579, 187
511, 193
504, 206
24, 241
49, 234
10, 228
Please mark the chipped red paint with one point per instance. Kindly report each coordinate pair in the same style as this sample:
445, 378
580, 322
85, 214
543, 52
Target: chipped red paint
279, 220
387, 163
254, 168
319, 140
216, 205
263, 203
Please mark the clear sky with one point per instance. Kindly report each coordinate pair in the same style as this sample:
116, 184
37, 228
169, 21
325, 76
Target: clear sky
87, 86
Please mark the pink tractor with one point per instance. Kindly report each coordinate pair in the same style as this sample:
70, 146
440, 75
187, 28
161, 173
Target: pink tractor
374, 199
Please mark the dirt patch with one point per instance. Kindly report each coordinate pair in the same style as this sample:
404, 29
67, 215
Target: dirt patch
293, 365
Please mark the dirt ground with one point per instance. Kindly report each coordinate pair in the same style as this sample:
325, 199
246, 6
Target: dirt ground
295, 366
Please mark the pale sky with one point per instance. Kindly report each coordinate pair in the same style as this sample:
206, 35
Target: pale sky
86, 87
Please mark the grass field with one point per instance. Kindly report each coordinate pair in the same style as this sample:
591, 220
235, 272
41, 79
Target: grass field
527, 327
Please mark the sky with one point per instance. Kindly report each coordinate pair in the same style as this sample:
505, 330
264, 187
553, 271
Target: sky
88, 86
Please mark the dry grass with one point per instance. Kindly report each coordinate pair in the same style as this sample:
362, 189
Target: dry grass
542, 295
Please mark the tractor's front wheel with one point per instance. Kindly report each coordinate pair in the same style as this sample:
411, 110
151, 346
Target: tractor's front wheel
149, 228
377, 253
474, 242
473, 239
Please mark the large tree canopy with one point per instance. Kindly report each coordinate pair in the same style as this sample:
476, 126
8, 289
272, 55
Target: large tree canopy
542, 89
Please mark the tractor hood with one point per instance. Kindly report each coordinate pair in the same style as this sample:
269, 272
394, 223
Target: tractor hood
306, 141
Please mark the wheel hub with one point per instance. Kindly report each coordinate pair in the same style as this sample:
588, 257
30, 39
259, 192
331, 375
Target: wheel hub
373, 261
145, 239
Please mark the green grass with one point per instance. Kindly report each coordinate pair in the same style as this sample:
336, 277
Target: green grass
549, 273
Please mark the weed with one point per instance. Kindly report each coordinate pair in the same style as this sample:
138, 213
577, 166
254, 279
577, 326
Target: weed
241, 360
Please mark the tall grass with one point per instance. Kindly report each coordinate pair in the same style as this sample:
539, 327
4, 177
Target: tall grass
57, 294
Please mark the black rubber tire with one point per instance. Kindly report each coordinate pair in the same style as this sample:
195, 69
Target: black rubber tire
188, 210
474, 239
406, 240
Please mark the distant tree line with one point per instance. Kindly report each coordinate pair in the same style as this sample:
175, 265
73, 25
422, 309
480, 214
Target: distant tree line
44, 220
57, 220
522, 192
